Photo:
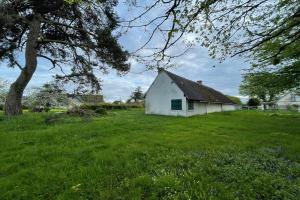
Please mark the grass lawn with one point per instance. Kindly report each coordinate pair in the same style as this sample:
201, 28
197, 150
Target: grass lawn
129, 155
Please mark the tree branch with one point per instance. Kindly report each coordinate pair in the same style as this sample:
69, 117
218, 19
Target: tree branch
19, 66
51, 60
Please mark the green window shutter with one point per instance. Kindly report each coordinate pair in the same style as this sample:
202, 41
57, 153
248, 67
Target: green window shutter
176, 104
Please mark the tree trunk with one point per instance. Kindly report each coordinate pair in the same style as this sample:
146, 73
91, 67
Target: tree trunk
13, 103
265, 106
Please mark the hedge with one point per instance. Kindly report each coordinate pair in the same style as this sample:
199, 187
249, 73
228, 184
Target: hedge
110, 106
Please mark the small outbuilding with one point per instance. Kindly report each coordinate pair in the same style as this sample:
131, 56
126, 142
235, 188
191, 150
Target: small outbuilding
171, 94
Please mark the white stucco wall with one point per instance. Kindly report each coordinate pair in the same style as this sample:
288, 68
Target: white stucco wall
227, 107
199, 109
286, 100
214, 108
204, 108
159, 96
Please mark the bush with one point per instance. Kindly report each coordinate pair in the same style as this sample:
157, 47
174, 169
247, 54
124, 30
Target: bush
25, 107
77, 111
40, 109
101, 111
253, 102
52, 119
292, 108
109, 106
85, 114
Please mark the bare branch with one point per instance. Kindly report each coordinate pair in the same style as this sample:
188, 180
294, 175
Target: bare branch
19, 66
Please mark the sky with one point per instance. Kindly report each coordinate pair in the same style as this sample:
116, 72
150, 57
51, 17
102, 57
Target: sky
194, 65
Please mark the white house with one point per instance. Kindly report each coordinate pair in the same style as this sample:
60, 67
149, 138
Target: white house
289, 99
170, 94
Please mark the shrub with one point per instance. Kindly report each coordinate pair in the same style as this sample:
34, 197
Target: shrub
85, 114
253, 102
292, 108
40, 109
52, 119
109, 106
25, 107
101, 111
77, 111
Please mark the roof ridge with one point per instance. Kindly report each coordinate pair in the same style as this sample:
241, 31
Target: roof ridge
183, 78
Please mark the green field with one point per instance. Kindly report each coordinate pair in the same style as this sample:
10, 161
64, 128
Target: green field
129, 155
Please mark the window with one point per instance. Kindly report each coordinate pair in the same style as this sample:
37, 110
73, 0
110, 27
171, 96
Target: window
176, 104
190, 105
293, 98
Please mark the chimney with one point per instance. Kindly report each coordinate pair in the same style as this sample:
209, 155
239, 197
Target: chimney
199, 82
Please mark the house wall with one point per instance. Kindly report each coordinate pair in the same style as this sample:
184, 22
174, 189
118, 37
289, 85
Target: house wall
199, 109
227, 107
204, 108
159, 95
214, 108
285, 101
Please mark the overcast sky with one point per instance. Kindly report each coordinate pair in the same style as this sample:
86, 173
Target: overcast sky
194, 65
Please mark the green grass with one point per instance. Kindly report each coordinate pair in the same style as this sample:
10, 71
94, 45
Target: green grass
129, 155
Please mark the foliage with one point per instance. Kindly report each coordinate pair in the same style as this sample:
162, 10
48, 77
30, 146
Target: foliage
39, 109
79, 112
101, 111
48, 96
76, 35
262, 85
245, 155
246, 26
282, 62
110, 106
3, 92
137, 95
84, 44
226, 27
253, 102
235, 100
293, 107
118, 102
84, 114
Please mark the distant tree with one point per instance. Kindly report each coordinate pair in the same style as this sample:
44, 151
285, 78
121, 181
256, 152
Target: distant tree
3, 86
118, 102
253, 102
236, 100
137, 95
49, 95
3, 92
72, 34
263, 85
